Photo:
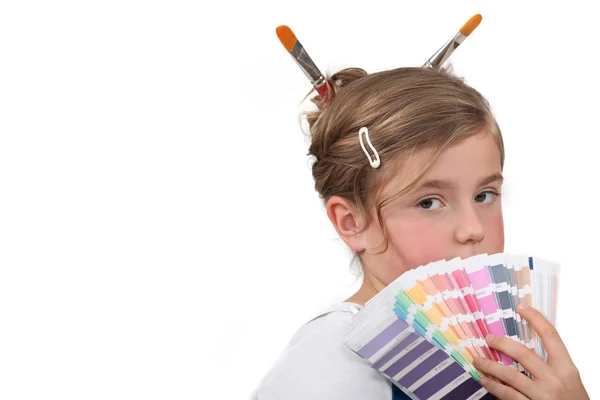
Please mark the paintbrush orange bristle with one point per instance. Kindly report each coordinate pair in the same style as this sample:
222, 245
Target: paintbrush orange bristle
286, 37
470, 25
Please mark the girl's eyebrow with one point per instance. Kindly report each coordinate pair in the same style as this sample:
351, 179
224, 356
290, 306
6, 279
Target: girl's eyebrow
497, 177
446, 184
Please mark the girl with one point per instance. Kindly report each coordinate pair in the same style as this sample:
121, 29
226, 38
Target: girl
409, 164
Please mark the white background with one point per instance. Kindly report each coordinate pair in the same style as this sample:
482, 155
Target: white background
160, 237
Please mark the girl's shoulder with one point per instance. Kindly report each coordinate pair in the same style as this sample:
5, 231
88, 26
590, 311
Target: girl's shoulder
317, 365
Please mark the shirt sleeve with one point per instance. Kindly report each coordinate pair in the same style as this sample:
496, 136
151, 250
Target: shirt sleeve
318, 366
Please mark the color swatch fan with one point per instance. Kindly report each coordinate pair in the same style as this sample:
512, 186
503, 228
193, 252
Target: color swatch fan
424, 330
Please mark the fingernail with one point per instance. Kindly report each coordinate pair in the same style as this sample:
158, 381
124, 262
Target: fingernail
489, 338
478, 360
483, 380
522, 306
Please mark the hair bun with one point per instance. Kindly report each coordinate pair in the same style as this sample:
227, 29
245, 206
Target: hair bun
346, 76
336, 82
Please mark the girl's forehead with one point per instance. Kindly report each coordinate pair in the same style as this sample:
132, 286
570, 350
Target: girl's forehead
464, 163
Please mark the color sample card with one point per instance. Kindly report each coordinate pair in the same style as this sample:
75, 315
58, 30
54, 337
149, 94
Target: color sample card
416, 366
424, 330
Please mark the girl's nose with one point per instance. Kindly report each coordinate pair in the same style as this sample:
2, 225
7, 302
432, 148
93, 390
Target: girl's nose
469, 227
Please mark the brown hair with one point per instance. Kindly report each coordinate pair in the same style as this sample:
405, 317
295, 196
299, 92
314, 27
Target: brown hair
405, 110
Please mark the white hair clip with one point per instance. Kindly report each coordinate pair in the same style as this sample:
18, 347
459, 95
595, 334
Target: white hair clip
374, 162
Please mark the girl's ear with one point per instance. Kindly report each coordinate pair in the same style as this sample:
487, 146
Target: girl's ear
347, 222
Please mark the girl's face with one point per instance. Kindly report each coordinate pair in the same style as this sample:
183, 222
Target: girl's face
455, 211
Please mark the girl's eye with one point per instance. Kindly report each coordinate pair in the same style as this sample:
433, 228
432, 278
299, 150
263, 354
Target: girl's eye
486, 197
430, 204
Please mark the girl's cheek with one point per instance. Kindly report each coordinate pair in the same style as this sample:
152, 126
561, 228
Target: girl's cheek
421, 243
496, 232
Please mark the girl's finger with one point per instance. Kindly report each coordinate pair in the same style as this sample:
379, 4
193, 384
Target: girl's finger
508, 375
551, 339
526, 357
501, 391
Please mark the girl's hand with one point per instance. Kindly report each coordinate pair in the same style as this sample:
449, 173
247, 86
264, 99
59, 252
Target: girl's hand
558, 379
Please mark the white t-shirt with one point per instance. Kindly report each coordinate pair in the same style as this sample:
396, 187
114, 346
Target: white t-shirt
316, 364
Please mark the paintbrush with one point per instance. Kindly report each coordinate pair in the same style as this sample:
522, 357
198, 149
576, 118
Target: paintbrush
440, 56
299, 54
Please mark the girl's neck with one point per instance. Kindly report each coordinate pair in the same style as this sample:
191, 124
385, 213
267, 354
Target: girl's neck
369, 288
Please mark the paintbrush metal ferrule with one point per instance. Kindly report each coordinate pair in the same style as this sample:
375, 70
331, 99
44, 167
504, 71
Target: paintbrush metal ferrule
442, 55
307, 65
